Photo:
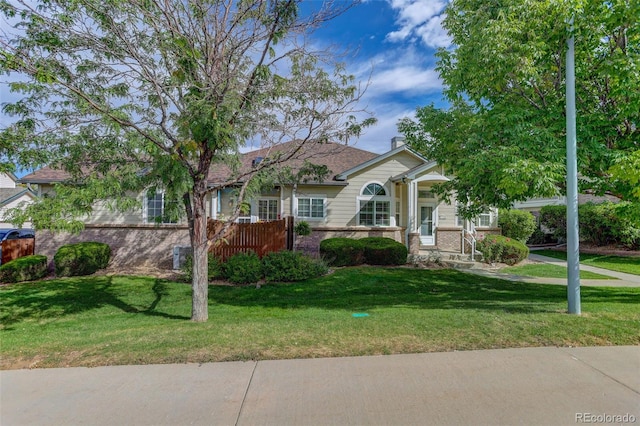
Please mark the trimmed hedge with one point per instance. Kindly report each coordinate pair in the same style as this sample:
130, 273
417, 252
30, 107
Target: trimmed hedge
384, 251
81, 258
517, 224
285, 266
370, 250
26, 268
496, 248
214, 267
600, 224
342, 251
243, 268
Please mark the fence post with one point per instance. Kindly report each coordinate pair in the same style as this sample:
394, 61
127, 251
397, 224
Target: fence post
290, 233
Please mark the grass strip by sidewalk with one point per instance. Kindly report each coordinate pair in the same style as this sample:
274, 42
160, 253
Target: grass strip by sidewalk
543, 270
629, 265
90, 321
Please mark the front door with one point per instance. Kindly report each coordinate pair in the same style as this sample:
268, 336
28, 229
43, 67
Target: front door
427, 225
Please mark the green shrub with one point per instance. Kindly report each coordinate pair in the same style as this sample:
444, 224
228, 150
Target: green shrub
26, 268
302, 228
384, 251
81, 258
600, 224
496, 248
554, 220
537, 237
243, 268
214, 267
284, 266
605, 223
342, 251
517, 224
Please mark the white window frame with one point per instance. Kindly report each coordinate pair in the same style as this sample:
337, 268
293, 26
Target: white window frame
145, 210
311, 198
268, 200
487, 213
375, 199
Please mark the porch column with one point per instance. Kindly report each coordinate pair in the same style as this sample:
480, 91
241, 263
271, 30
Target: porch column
413, 238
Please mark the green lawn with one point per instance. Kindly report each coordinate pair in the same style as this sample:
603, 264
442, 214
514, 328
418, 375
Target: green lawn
545, 270
629, 265
93, 321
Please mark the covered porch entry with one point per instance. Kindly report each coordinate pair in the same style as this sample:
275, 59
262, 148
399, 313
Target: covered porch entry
429, 222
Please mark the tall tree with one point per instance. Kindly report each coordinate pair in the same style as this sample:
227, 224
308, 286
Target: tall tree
134, 94
503, 136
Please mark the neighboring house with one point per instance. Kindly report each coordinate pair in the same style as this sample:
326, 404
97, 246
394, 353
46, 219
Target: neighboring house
535, 204
12, 196
365, 194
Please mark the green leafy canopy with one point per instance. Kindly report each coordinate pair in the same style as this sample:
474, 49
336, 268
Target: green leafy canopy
503, 136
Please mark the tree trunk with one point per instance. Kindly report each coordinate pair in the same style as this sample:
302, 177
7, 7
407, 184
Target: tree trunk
200, 284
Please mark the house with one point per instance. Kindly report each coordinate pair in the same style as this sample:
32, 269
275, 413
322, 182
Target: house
12, 196
365, 194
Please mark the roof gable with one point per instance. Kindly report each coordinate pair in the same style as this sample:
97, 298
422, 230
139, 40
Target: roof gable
8, 195
378, 159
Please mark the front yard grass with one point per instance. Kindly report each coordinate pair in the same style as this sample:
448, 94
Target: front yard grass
102, 320
629, 265
545, 270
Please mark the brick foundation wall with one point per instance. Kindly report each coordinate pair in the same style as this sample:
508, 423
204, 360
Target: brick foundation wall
131, 246
449, 239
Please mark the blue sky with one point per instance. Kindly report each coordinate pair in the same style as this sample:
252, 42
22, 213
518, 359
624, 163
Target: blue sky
395, 42
391, 44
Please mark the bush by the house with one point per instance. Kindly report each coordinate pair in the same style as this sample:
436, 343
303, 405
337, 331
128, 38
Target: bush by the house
302, 228
81, 258
243, 268
517, 224
604, 224
214, 267
553, 219
26, 268
600, 224
284, 266
370, 250
384, 251
342, 251
496, 248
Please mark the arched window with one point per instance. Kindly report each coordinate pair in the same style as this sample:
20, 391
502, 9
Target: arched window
374, 206
374, 189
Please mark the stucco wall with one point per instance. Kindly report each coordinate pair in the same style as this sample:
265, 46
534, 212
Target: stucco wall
131, 246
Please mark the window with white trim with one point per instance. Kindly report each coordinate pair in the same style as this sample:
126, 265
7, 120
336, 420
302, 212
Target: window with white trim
311, 207
156, 209
268, 209
484, 219
374, 206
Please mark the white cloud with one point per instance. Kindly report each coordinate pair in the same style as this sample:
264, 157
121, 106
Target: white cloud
408, 79
420, 19
378, 137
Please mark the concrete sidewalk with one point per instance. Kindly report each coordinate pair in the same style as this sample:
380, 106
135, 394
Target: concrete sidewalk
534, 386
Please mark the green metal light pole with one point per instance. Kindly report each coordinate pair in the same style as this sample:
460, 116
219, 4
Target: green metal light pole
573, 239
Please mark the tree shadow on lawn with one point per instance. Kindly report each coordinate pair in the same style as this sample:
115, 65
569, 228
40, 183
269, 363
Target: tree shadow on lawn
58, 298
367, 288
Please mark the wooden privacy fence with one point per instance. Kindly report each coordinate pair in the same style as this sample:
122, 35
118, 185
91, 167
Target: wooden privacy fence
261, 237
13, 249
